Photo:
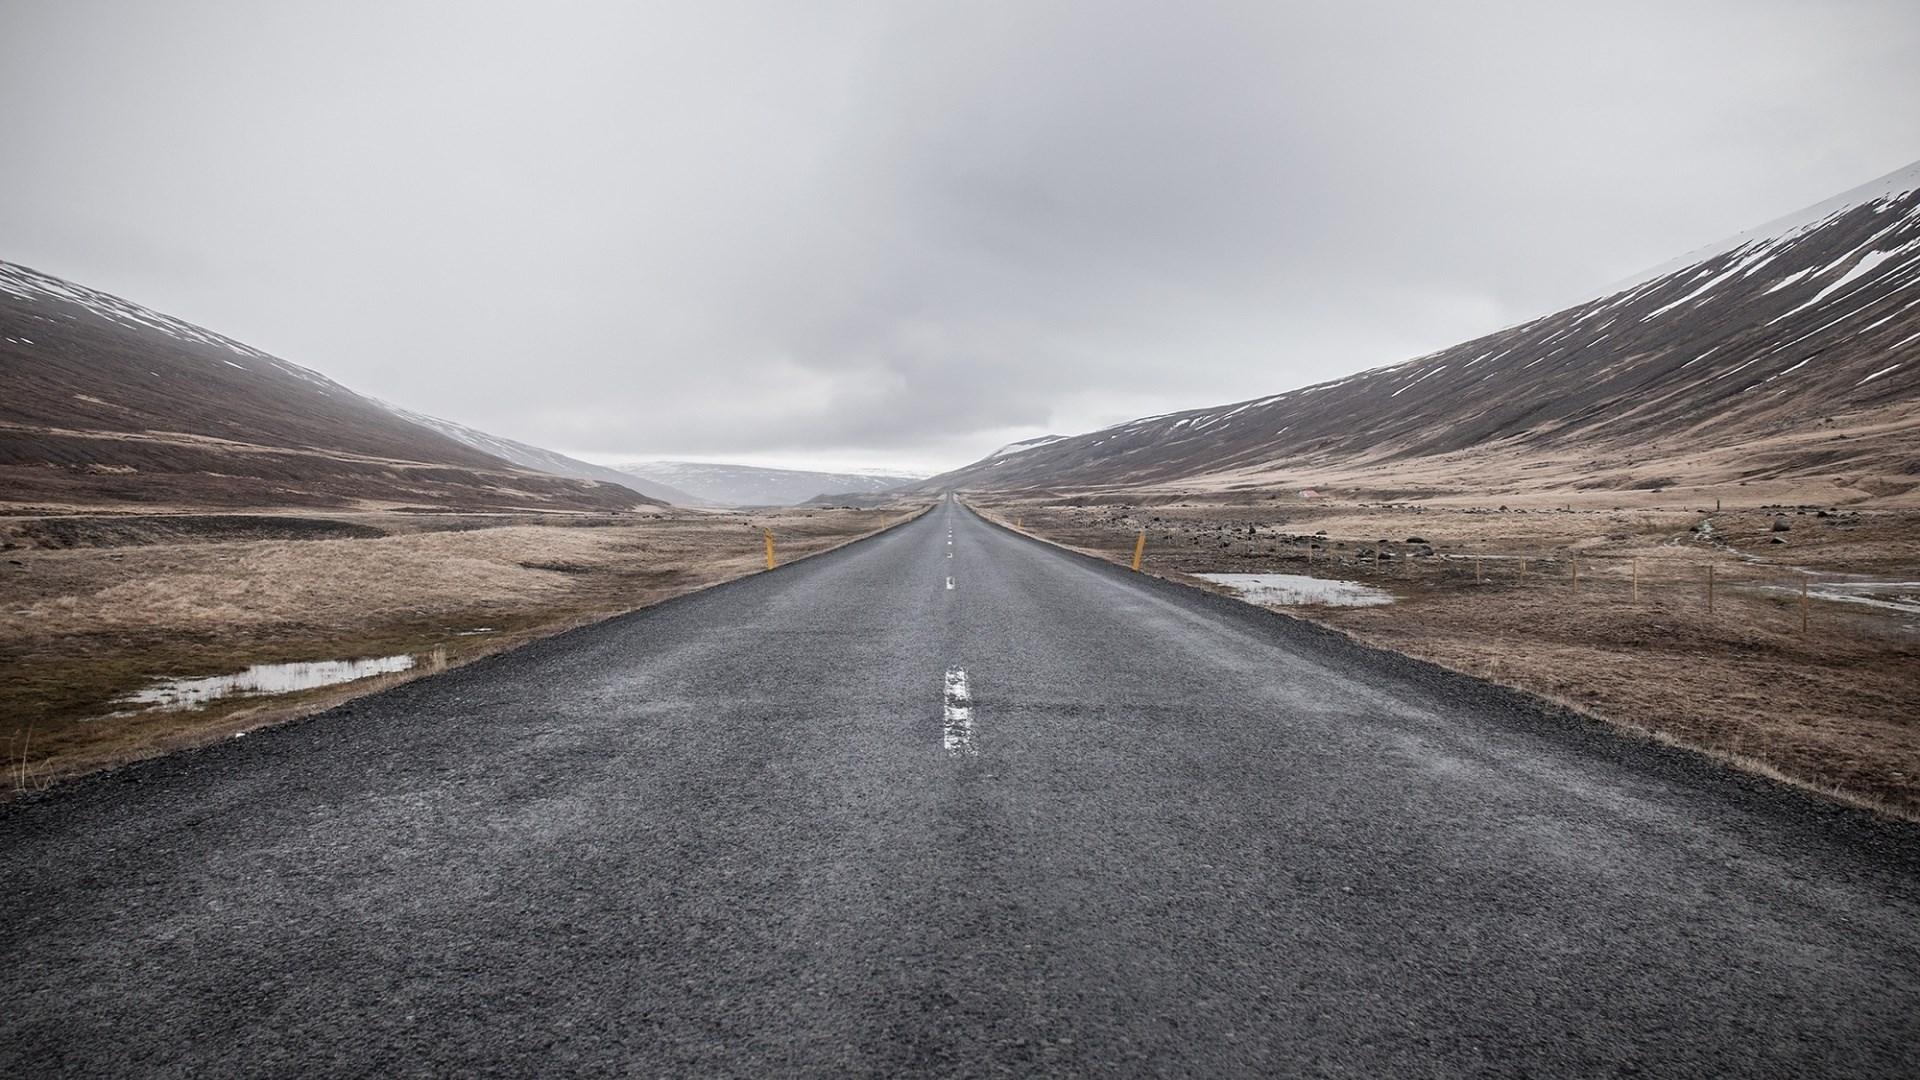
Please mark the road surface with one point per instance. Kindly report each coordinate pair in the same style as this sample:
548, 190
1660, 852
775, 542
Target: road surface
950, 802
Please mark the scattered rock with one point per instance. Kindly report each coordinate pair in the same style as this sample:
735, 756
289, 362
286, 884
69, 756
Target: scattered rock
1781, 524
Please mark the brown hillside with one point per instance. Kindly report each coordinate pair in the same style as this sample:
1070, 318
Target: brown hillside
1790, 356
105, 402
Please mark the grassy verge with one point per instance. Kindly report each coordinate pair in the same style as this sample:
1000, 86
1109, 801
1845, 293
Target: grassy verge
1833, 707
84, 625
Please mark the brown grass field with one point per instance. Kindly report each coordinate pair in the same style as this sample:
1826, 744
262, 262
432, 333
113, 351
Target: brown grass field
95, 607
1835, 708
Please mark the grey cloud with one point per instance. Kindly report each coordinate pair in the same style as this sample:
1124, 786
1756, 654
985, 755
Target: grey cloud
906, 232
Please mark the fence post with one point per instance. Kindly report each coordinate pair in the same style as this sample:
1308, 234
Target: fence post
1709, 588
770, 563
1476, 568
1139, 549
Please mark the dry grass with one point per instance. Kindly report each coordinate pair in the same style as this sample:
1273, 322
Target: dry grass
1774, 467
1835, 709
81, 627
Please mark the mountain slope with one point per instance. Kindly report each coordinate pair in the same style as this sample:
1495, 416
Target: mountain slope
1025, 445
1787, 354
106, 402
751, 485
540, 459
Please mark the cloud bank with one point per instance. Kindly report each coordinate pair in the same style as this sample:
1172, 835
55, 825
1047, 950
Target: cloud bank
901, 234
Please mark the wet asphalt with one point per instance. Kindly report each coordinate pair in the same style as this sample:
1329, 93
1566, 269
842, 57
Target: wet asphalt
724, 837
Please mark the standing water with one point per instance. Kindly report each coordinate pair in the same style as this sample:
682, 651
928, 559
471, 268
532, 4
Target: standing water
1289, 590
173, 694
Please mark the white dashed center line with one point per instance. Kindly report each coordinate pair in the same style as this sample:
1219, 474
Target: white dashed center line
958, 714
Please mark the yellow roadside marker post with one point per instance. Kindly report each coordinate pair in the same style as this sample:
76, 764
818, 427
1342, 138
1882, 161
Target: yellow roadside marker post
770, 562
1139, 548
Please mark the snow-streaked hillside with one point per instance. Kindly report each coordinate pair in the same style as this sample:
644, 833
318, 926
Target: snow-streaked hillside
105, 402
1891, 186
752, 485
1792, 350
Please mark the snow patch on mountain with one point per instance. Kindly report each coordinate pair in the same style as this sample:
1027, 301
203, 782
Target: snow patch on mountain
1024, 445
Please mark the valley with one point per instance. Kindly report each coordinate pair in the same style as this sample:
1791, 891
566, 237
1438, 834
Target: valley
947, 540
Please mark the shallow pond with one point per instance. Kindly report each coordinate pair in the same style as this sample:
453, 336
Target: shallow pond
1293, 590
262, 679
1900, 596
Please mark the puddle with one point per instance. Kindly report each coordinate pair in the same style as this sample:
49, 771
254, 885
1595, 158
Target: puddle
1291, 590
1901, 596
172, 694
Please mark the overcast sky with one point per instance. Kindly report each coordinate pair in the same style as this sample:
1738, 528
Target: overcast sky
900, 234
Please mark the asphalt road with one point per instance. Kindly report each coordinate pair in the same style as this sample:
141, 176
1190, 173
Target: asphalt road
761, 831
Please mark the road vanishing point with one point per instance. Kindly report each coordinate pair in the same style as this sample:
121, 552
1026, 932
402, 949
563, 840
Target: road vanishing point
1014, 812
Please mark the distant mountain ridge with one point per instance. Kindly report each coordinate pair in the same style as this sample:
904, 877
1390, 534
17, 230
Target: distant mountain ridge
752, 485
106, 402
1786, 353
539, 459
